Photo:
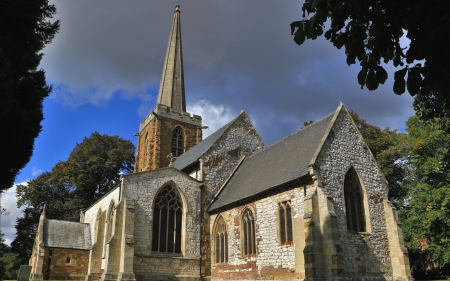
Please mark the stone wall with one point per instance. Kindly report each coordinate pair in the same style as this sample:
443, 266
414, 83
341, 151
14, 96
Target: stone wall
364, 254
241, 139
142, 188
76, 269
159, 127
274, 259
93, 213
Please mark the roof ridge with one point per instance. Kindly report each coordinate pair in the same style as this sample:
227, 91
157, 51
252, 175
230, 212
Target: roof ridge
291, 135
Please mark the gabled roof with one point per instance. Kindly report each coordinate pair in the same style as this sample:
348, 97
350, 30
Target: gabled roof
193, 154
284, 161
67, 234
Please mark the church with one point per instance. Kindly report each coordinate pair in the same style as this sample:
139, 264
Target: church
313, 205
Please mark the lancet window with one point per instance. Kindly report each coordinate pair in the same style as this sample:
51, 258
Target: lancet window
167, 219
285, 216
354, 206
248, 231
221, 241
177, 142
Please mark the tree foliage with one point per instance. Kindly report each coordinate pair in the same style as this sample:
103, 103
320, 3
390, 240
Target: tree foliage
371, 30
92, 169
426, 217
25, 29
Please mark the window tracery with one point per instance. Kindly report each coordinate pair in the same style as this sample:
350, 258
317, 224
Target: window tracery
248, 232
285, 216
221, 241
167, 219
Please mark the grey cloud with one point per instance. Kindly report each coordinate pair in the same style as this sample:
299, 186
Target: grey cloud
238, 54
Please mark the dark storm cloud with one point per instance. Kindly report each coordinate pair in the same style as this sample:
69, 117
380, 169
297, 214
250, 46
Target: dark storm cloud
238, 54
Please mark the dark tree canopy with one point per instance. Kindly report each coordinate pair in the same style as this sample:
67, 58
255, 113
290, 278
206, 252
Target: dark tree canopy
25, 29
370, 31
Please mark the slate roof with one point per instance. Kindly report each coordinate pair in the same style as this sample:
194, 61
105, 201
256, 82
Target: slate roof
67, 234
280, 163
193, 154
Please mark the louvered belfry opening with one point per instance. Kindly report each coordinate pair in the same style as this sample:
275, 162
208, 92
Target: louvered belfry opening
146, 151
177, 142
354, 206
248, 228
285, 213
167, 219
221, 241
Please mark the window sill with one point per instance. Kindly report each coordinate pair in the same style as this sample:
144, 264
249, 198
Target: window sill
288, 243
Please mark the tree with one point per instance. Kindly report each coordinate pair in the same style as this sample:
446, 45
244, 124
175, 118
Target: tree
25, 29
426, 217
371, 30
92, 169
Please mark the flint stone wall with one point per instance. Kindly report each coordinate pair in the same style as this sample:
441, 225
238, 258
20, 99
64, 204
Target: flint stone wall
364, 254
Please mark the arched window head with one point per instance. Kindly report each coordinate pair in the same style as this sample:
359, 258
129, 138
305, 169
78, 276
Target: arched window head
167, 218
285, 216
248, 232
177, 142
354, 204
146, 150
221, 241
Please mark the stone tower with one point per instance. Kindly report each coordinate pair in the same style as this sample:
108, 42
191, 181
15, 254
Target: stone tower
168, 128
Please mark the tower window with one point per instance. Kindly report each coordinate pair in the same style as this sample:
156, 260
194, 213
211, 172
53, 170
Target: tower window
221, 241
248, 231
68, 260
354, 206
177, 142
167, 218
285, 213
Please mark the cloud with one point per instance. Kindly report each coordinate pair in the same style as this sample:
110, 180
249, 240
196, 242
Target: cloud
35, 171
213, 116
8, 221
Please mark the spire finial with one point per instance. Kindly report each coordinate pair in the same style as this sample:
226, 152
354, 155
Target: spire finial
177, 7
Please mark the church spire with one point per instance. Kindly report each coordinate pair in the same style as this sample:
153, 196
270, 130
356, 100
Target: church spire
171, 88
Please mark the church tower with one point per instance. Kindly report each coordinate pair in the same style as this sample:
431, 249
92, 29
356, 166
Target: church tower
168, 129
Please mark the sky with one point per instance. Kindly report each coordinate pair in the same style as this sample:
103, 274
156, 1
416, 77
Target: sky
105, 65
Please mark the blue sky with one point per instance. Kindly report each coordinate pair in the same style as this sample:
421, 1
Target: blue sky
106, 62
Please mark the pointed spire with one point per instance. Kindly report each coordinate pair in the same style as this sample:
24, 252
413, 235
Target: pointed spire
171, 88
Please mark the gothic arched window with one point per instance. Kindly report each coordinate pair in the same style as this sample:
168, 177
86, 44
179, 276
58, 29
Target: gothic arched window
68, 259
167, 218
221, 241
177, 142
248, 231
354, 206
285, 213
146, 152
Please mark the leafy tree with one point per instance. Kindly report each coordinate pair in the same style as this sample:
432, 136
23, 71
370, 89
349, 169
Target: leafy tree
91, 170
25, 29
371, 30
426, 217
